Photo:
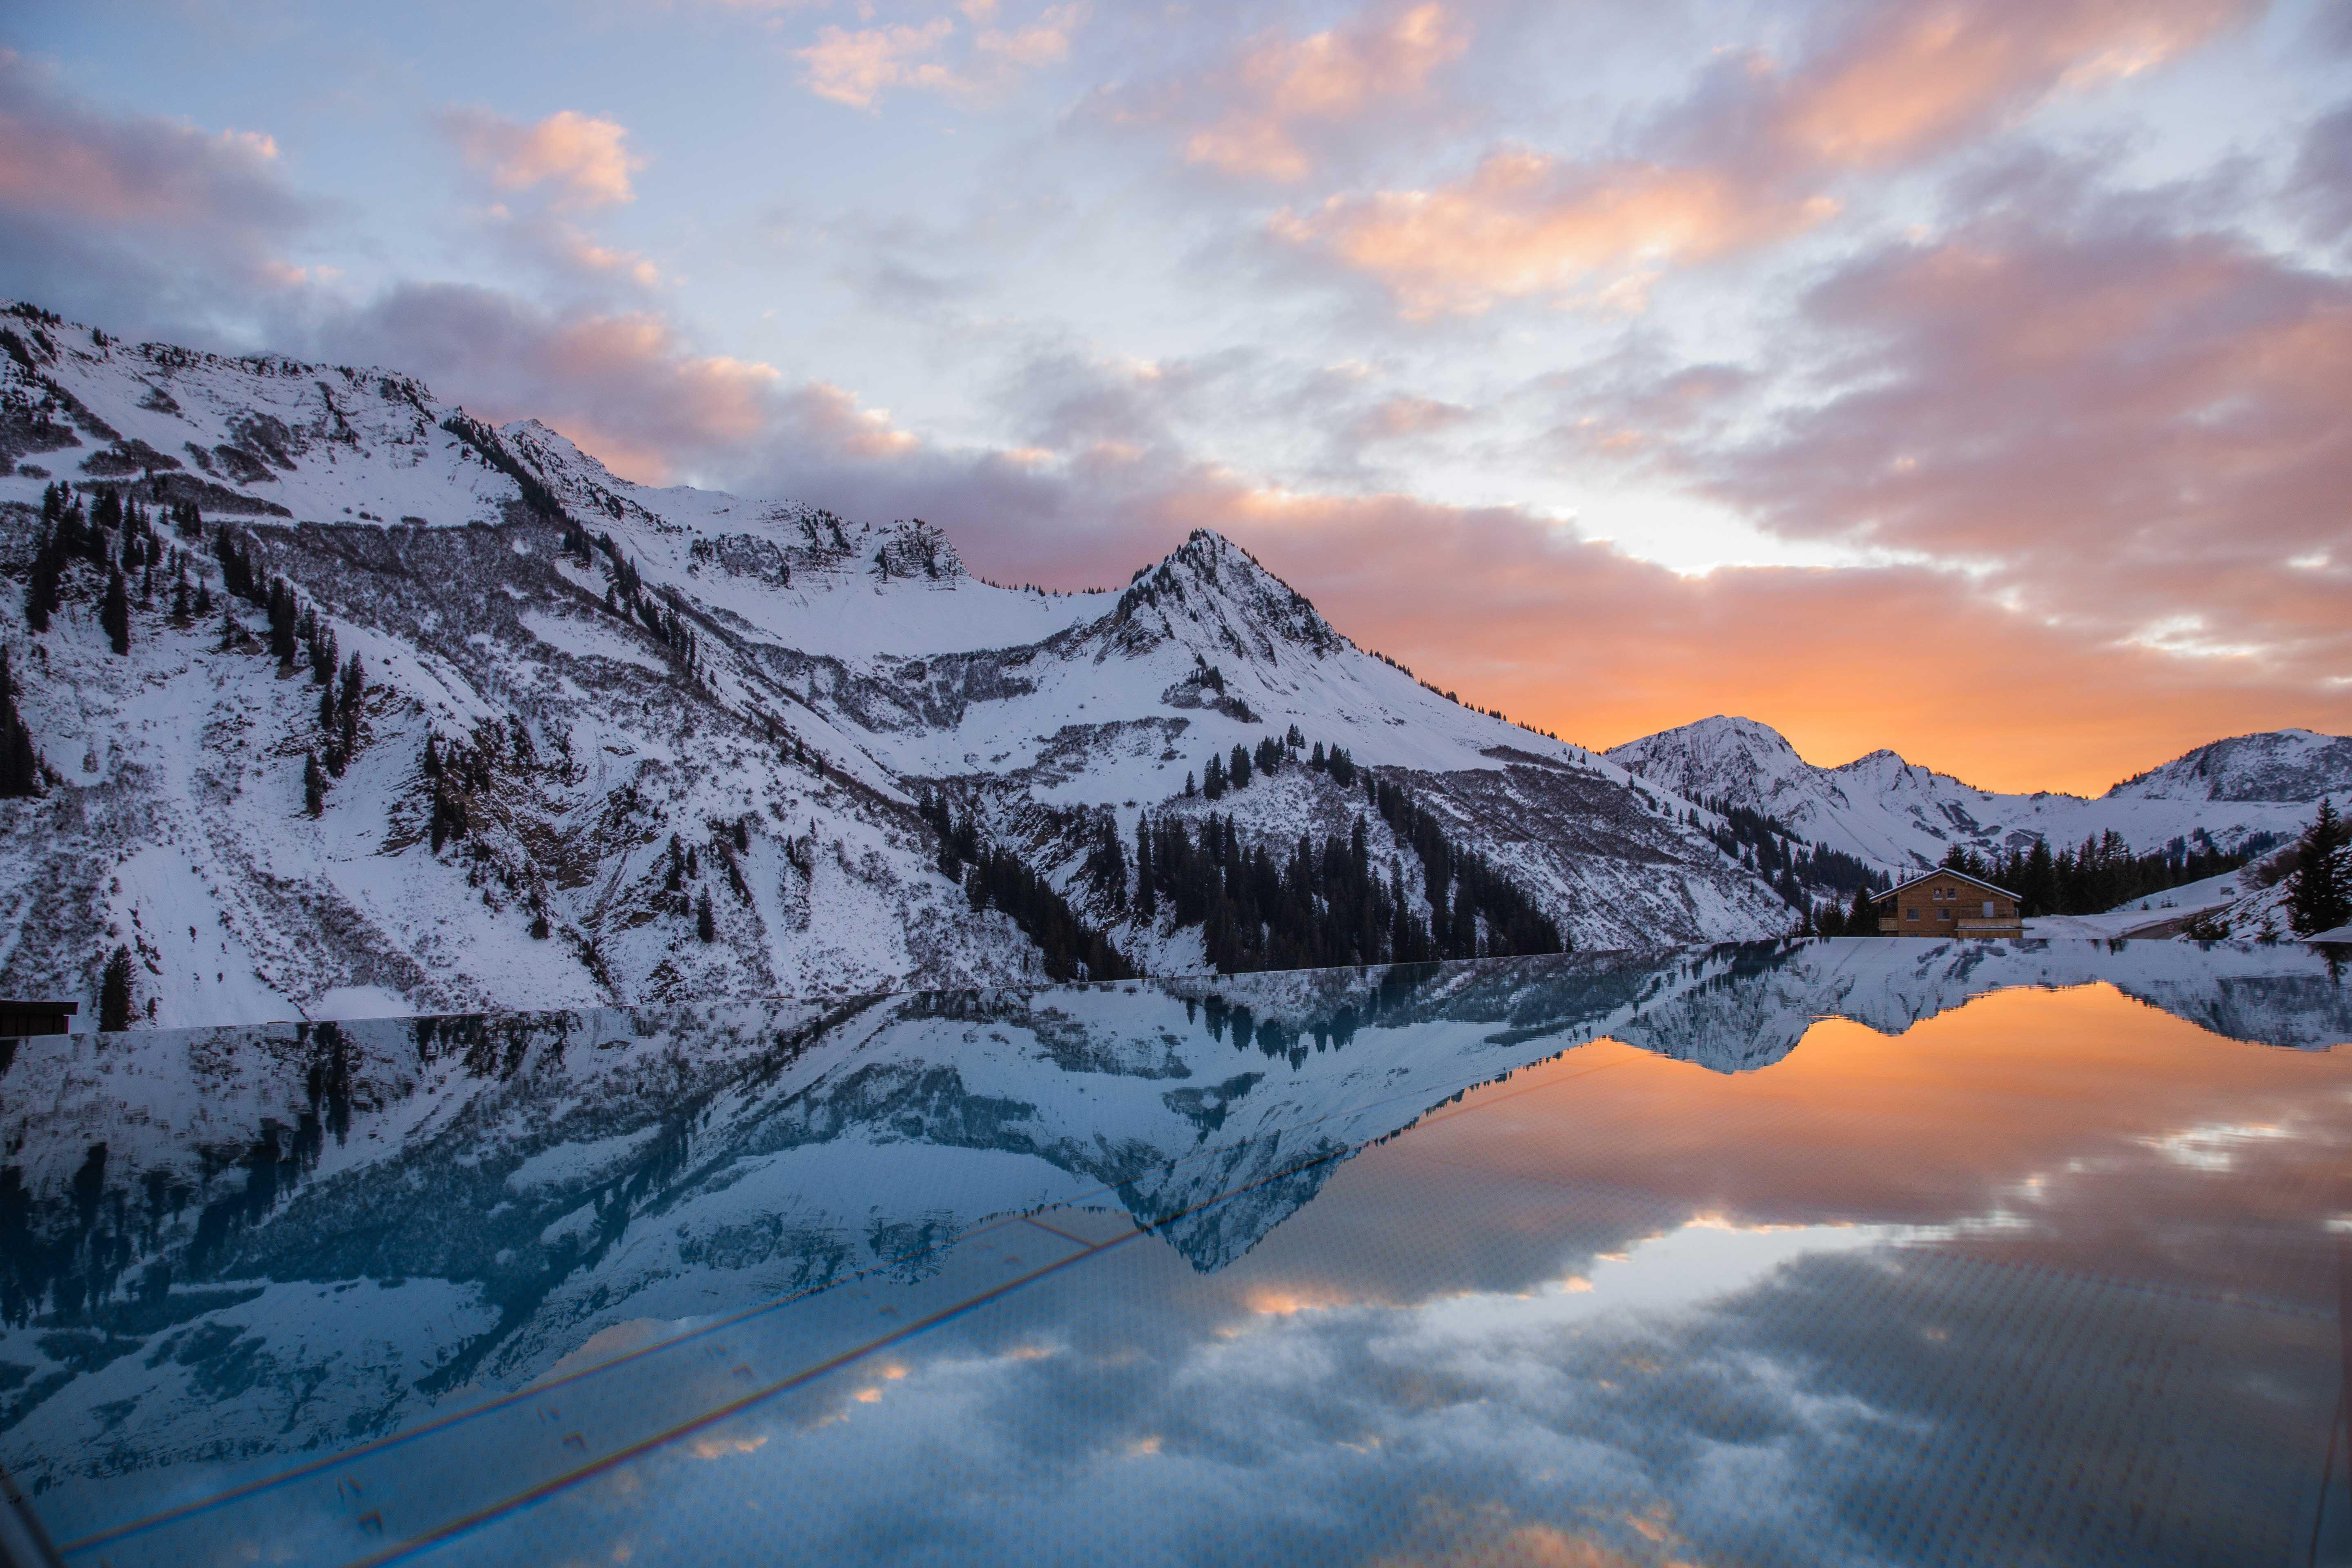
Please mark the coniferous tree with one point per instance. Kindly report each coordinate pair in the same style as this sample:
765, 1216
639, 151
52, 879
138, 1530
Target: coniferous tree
114, 992
1237, 767
1147, 897
1862, 919
282, 617
115, 615
2319, 888
705, 926
105, 516
45, 591
1212, 778
20, 764
314, 785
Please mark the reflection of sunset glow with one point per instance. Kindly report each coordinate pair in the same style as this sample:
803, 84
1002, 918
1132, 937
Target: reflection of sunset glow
1999, 1124
721, 1448
2212, 1147
1284, 1303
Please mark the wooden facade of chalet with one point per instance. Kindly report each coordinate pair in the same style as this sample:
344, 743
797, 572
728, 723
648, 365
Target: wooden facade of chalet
1947, 903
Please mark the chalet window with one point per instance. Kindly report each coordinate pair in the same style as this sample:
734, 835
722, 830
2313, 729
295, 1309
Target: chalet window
1910, 914
1988, 908
1943, 914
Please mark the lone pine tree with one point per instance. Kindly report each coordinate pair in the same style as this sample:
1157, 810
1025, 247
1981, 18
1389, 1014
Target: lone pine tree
114, 992
115, 615
20, 764
2319, 888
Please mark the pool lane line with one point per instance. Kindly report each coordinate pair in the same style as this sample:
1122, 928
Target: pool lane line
554, 1485
489, 1406
167, 1516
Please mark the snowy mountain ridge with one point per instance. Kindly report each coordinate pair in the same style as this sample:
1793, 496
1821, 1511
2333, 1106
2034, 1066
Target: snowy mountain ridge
616, 743
1900, 816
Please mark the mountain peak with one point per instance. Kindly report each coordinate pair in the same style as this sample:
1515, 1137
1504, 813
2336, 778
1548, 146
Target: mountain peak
1214, 596
2269, 765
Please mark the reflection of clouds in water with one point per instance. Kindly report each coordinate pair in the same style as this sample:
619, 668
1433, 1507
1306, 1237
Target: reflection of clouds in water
1806, 1393
1553, 1424
1551, 1305
2214, 1147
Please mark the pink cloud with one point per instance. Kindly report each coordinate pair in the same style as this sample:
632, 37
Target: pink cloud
2131, 437
64, 160
578, 160
1399, 418
1278, 84
856, 66
831, 417
1913, 78
1760, 153
1525, 225
623, 385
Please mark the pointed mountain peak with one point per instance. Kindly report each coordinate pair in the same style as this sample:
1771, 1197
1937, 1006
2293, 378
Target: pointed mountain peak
1210, 593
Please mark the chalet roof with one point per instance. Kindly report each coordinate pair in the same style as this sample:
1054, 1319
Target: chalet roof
1943, 871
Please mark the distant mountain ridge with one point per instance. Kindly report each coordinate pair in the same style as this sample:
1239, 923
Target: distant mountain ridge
1899, 814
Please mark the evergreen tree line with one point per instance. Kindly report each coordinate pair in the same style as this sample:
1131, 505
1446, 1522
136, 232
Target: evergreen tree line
20, 764
726, 843
112, 536
453, 776
1317, 906
995, 877
298, 636
2101, 872
2320, 887
1235, 769
626, 595
1792, 865
457, 776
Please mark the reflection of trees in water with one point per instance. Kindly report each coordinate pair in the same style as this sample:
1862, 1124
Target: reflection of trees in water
132, 1238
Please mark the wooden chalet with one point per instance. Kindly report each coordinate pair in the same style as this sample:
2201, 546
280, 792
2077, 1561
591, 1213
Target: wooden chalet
1944, 902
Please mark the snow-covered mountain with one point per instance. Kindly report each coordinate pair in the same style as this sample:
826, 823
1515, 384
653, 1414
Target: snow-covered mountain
643, 704
1897, 814
2275, 766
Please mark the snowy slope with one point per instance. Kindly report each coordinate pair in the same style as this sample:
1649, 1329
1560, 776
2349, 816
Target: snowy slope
1897, 814
838, 670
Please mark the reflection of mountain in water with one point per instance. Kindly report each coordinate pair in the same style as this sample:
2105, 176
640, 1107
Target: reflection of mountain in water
230, 1243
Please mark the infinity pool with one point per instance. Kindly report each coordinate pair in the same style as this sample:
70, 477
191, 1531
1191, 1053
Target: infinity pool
1822, 1252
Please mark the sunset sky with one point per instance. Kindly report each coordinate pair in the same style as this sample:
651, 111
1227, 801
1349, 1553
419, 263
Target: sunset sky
1973, 379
